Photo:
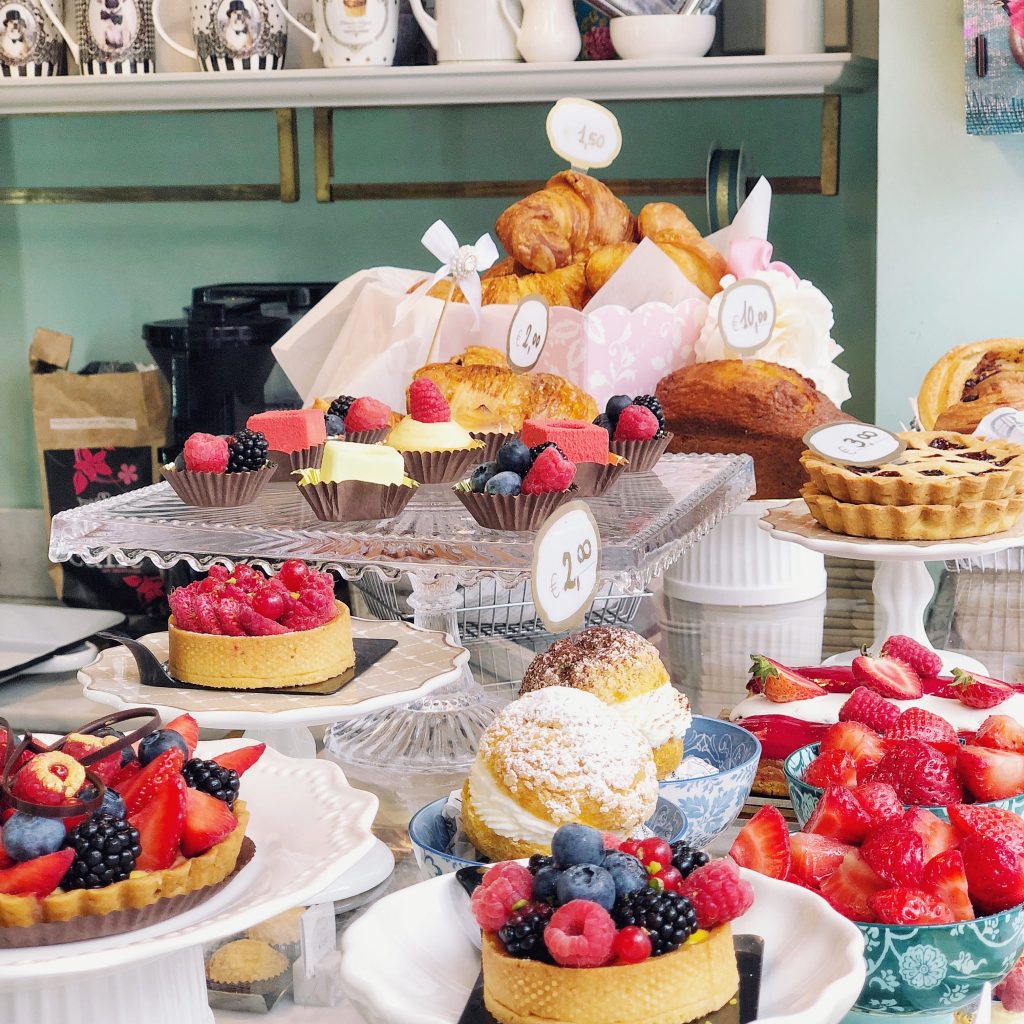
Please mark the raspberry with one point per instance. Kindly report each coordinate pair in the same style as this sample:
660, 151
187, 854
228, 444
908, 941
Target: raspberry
207, 620
920, 774
866, 707
182, 602
510, 871
426, 403
923, 661
918, 724
206, 453
367, 414
597, 44
496, 897
636, 423
580, 934
551, 471
51, 778
254, 624
718, 893
1010, 991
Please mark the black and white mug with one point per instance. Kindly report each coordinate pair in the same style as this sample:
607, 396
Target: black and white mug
30, 46
114, 37
233, 35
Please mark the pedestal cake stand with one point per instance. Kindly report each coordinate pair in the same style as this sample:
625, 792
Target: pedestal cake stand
903, 586
646, 522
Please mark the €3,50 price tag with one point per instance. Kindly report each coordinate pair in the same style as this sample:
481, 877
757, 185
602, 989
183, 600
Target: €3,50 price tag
584, 133
528, 333
566, 556
855, 444
746, 316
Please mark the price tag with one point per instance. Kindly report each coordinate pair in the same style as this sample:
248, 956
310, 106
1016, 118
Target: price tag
527, 333
746, 316
855, 444
566, 556
584, 133
1005, 423
317, 935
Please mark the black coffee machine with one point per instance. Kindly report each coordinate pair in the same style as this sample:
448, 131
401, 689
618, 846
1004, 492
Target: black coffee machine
217, 358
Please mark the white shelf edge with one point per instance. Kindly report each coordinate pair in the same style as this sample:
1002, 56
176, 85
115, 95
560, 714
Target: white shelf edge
443, 85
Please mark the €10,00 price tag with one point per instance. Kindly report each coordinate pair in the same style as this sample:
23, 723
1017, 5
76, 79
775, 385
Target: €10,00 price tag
584, 133
566, 556
527, 333
746, 316
855, 444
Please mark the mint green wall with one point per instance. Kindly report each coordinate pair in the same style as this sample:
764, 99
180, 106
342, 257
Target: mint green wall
99, 272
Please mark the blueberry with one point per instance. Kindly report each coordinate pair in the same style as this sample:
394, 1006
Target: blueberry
615, 406
127, 754
504, 483
514, 457
586, 882
604, 421
179, 462
481, 475
334, 425
153, 745
26, 836
577, 844
628, 874
113, 804
545, 882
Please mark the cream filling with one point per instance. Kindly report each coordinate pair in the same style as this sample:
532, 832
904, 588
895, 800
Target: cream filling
659, 716
501, 814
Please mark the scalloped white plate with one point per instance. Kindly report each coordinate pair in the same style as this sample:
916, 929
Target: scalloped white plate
407, 960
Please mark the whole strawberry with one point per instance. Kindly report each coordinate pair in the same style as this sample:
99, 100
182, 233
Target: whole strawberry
918, 724
920, 774
866, 707
924, 661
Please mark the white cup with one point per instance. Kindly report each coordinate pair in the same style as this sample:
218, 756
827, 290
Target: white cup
30, 45
351, 33
232, 35
468, 31
794, 26
108, 37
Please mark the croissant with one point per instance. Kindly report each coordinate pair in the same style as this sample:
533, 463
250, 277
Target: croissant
480, 355
607, 260
569, 218
946, 383
565, 287
667, 223
995, 381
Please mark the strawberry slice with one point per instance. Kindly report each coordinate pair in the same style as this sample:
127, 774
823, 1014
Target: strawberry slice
888, 677
781, 684
1001, 732
160, 825
937, 835
988, 822
36, 877
849, 888
866, 707
920, 774
815, 857
833, 768
763, 844
838, 816
896, 854
880, 802
995, 874
242, 759
977, 691
991, 774
944, 875
188, 729
909, 906
208, 821
138, 791
864, 745
918, 724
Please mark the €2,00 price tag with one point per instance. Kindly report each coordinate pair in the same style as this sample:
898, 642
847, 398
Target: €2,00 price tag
584, 133
566, 556
746, 316
855, 444
527, 333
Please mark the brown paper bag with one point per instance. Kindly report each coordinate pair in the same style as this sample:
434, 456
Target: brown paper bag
97, 436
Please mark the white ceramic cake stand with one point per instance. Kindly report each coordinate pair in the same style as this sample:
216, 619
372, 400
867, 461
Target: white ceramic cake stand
307, 823
903, 587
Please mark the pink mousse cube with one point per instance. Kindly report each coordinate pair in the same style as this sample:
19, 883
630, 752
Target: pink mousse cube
290, 430
581, 442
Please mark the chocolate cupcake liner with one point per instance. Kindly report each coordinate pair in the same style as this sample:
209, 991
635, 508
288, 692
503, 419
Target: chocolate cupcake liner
641, 455
505, 512
356, 500
594, 480
366, 436
305, 458
219, 490
493, 443
266, 987
443, 467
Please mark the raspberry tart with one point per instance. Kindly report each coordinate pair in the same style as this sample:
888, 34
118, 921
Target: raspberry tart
636, 428
356, 420
586, 445
240, 630
221, 472
600, 932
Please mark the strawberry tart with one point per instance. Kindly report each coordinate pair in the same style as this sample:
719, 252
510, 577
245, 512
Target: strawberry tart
602, 931
241, 630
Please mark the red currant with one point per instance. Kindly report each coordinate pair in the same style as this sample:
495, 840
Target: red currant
269, 603
293, 573
632, 847
632, 945
655, 851
671, 877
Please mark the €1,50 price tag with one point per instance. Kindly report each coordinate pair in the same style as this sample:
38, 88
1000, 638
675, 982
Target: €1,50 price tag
566, 556
855, 444
584, 133
746, 316
528, 333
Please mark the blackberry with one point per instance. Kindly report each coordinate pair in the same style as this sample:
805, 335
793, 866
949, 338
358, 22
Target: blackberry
535, 451
340, 406
666, 916
604, 421
106, 849
523, 935
650, 402
210, 777
686, 860
247, 451
538, 861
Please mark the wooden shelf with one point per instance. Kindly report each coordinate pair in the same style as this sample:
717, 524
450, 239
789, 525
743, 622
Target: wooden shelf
443, 85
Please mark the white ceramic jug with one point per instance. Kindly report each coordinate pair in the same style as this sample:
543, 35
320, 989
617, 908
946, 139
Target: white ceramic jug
467, 31
548, 31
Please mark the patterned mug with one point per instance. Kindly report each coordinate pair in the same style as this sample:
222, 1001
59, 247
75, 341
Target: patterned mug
233, 35
30, 46
115, 37
351, 32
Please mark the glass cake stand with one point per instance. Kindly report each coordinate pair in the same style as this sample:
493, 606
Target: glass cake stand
647, 522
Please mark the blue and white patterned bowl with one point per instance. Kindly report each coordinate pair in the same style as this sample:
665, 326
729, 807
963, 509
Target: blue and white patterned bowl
430, 835
712, 803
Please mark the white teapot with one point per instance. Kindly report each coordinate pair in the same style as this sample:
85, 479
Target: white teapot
548, 31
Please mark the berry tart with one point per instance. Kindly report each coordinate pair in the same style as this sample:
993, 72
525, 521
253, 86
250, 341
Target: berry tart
602, 931
636, 429
521, 488
106, 832
221, 472
585, 444
240, 630
356, 420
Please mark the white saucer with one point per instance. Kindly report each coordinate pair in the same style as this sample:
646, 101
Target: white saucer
375, 868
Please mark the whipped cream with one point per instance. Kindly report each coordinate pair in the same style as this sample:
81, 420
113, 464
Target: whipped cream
659, 716
501, 814
802, 339
825, 710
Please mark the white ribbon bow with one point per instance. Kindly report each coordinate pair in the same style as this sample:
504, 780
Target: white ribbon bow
462, 264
